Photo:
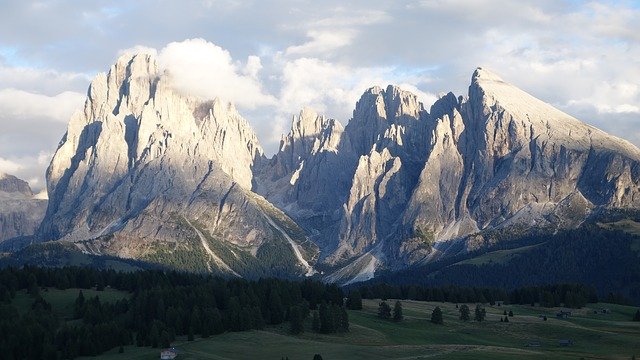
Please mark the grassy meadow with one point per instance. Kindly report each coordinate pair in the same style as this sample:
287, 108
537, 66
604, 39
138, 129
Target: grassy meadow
594, 336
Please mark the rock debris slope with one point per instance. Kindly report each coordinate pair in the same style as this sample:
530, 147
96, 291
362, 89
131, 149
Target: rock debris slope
146, 172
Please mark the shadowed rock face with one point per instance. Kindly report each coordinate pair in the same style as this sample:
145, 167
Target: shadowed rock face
143, 167
20, 212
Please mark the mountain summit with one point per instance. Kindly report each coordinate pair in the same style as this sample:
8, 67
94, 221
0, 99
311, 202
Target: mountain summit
149, 173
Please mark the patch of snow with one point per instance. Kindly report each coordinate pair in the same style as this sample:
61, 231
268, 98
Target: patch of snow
296, 174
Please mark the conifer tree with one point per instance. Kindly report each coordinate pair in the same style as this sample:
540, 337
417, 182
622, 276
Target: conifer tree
315, 324
465, 313
354, 301
436, 316
397, 311
480, 313
295, 318
384, 310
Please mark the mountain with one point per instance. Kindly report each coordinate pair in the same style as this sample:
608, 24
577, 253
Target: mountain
409, 186
146, 172
20, 210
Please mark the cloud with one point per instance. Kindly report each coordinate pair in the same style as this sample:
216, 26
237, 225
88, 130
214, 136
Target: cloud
16, 104
322, 42
334, 89
206, 70
42, 81
29, 168
9, 167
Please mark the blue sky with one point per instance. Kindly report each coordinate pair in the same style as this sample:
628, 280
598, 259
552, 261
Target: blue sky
581, 56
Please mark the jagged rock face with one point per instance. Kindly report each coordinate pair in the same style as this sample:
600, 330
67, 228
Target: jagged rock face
498, 158
508, 152
144, 168
20, 212
351, 195
12, 185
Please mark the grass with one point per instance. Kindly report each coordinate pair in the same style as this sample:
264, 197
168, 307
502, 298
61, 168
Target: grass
498, 256
628, 226
595, 336
62, 301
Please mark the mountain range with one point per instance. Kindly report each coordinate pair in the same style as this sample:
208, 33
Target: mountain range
146, 172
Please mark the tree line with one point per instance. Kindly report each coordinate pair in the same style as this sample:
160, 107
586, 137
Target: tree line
162, 306
568, 295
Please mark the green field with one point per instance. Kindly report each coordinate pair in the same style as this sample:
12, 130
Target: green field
595, 336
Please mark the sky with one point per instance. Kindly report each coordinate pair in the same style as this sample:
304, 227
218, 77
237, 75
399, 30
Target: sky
271, 58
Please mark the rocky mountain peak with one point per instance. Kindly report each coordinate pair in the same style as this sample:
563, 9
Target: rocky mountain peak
20, 211
13, 185
383, 114
307, 124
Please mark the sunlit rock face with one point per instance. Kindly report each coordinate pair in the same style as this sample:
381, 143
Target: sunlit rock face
144, 168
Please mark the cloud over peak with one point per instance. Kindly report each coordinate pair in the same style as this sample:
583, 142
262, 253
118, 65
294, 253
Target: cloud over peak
201, 68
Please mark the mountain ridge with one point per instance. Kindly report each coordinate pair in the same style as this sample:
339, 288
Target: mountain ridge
146, 172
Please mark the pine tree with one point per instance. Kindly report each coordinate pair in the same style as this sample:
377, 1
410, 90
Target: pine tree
480, 313
317, 357
397, 311
327, 318
506, 319
636, 317
354, 301
154, 335
315, 324
511, 313
165, 342
276, 309
343, 322
465, 313
78, 308
436, 316
295, 317
384, 310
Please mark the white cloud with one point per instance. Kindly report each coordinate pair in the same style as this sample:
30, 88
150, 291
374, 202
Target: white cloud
322, 41
17, 104
9, 167
29, 168
334, 89
43, 81
204, 69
